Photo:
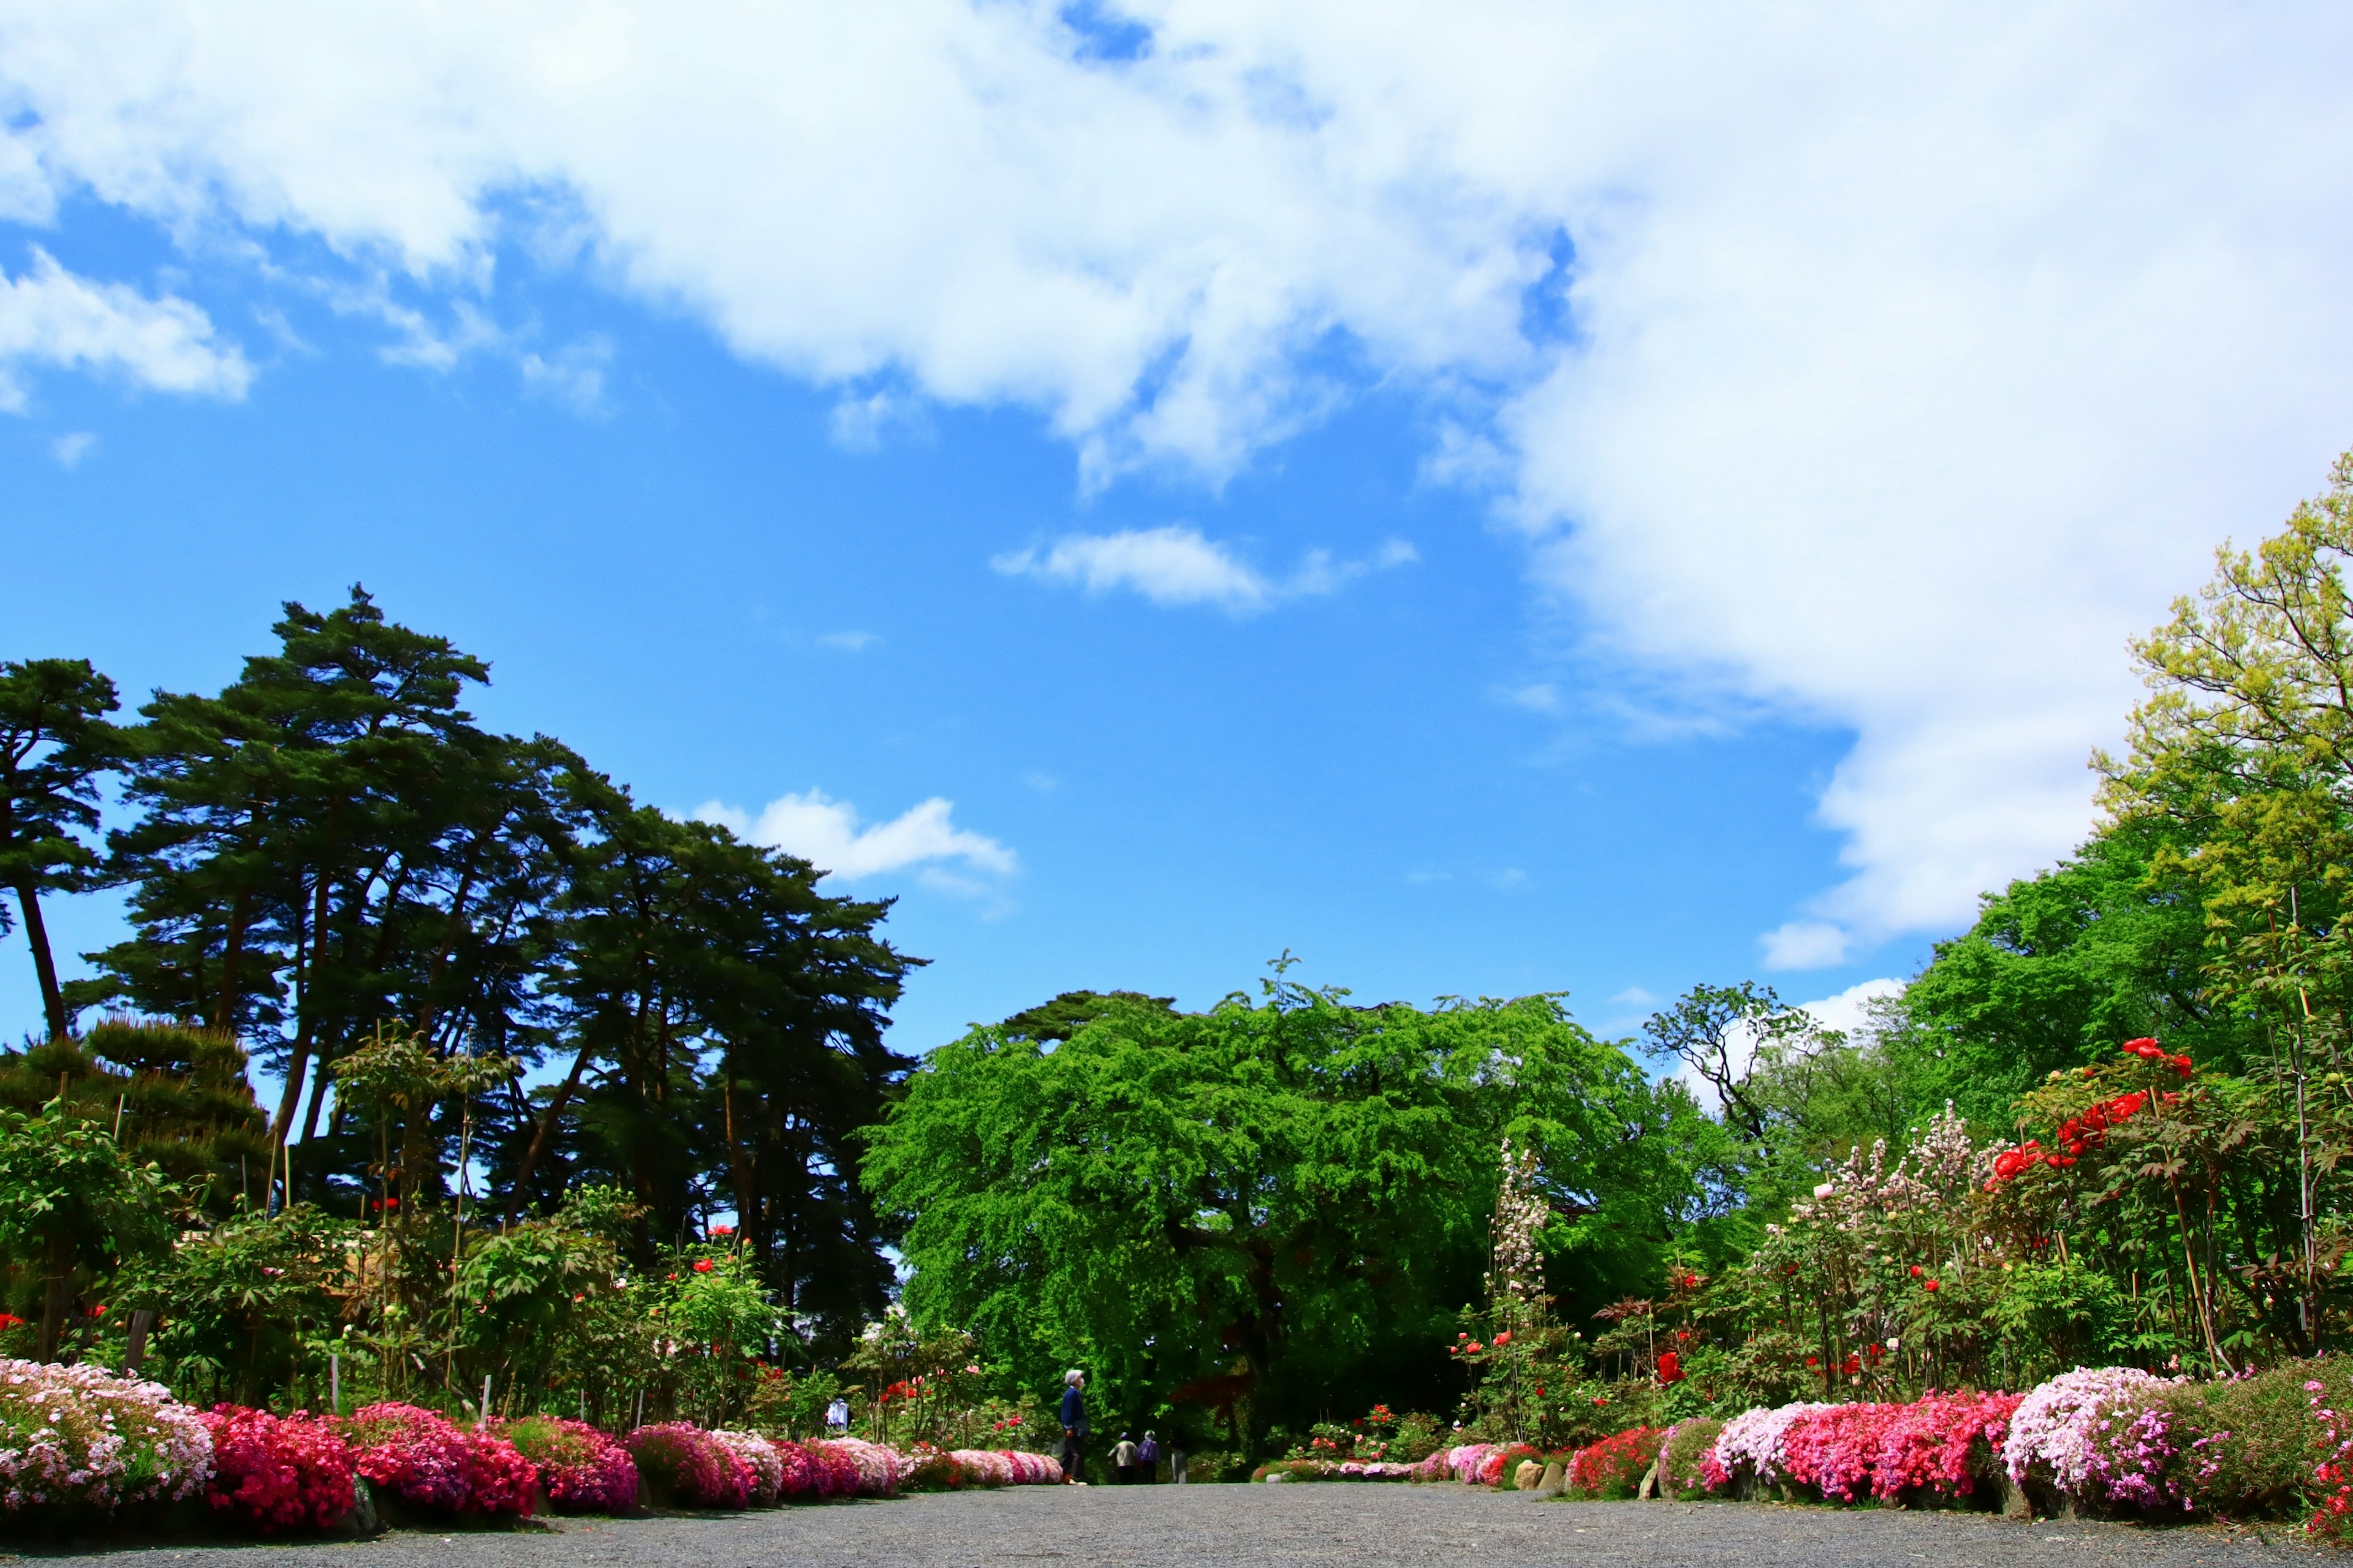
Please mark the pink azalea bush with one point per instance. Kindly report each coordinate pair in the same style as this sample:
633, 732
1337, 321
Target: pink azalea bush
2050, 1435
691, 1466
1749, 1446
876, 1466
766, 1464
424, 1459
1942, 1443
273, 1473
1683, 1453
80, 1436
581, 1468
797, 1470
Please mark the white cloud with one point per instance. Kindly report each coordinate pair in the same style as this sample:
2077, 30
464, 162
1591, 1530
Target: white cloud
70, 449
848, 642
1169, 565
863, 424
1909, 358
49, 316
1806, 944
1635, 996
572, 376
827, 833
1849, 1012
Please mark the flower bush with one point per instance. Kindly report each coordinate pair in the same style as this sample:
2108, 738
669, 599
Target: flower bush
876, 1466
797, 1470
79, 1436
420, 1458
1943, 1444
273, 1473
766, 1464
690, 1466
2050, 1435
1683, 1456
1502, 1461
582, 1469
1749, 1446
1613, 1466
1326, 1470
836, 1472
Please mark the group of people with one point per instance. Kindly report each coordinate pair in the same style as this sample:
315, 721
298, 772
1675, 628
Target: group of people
1131, 1462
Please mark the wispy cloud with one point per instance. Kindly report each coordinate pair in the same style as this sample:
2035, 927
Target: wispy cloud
849, 642
71, 449
49, 316
828, 834
1175, 564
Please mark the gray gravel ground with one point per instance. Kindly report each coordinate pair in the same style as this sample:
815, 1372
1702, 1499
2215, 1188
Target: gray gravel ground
1244, 1526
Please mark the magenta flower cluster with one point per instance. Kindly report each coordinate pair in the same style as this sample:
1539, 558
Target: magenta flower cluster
424, 1459
1939, 1445
274, 1473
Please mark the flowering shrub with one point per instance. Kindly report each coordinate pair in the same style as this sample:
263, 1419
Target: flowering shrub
1502, 1461
1331, 1470
421, 1459
796, 1469
584, 1470
2050, 1434
768, 1465
80, 1436
1683, 1453
1834, 1449
930, 1469
690, 1466
1613, 1466
1464, 1462
1942, 1443
876, 1467
274, 1473
836, 1472
1749, 1446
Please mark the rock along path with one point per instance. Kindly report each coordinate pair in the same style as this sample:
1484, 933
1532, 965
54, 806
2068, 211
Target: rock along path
1309, 1526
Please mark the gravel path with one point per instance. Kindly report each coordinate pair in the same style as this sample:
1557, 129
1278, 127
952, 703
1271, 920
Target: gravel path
1248, 1527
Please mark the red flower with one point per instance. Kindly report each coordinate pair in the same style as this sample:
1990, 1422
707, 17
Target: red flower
723, 1230
1853, 1364
1671, 1367
702, 1266
2091, 1072
1505, 1338
1929, 1285
1474, 1346
1813, 1361
1916, 1271
1690, 1281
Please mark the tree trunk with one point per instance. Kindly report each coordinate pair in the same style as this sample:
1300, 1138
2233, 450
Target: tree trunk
56, 1294
545, 1134
36, 933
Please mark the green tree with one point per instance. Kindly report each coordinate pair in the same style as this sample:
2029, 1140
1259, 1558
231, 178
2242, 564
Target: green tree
72, 1207
55, 743
1289, 1198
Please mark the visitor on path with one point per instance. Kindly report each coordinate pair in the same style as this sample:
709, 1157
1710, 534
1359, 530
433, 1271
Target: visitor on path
1147, 1460
1176, 1463
1123, 1462
1074, 1423
837, 1416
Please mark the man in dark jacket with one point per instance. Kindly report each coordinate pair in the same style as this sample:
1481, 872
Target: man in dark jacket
1074, 1421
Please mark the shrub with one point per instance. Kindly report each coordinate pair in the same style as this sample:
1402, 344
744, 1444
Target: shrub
423, 1459
931, 1468
2237, 1448
1943, 1444
2050, 1434
1750, 1445
77, 1437
688, 1466
982, 1468
836, 1472
797, 1469
583, 1470
1834, 1449
275, 1473
767, 1466
1613, 1466
1501, 1461
1683, 1453
876, 1467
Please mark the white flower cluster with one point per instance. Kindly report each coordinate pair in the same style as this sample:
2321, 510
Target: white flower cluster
80, 1435
2053, 1429
1515, 1278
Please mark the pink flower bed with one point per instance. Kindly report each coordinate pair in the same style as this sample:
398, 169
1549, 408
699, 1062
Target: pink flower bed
766, 1464
691, 1466
278, 1473
1847, 1452
423, 1459
797, 1470
78, 1436
583, 1470
1005, 1467
876, 1467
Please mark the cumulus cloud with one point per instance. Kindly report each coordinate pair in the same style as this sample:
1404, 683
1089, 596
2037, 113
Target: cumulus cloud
1883, 367
828, 834
49, 316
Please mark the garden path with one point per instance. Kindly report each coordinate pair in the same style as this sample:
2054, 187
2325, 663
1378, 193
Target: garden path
1296, 1526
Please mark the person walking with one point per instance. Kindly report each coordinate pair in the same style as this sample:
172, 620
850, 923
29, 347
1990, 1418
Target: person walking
1074, 1423
1147, 1460
1123, 1462
837, 1416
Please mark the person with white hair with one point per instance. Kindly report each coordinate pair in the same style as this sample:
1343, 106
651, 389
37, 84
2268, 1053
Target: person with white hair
1074, 1422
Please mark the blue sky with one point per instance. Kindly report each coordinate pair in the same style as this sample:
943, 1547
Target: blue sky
1322, 483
